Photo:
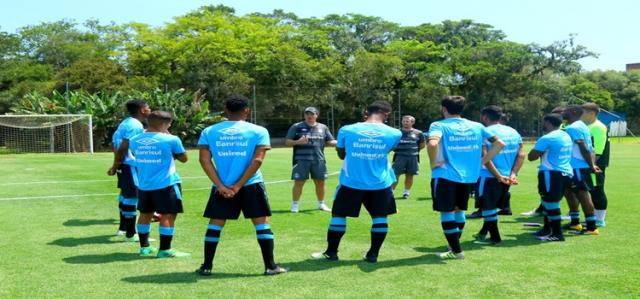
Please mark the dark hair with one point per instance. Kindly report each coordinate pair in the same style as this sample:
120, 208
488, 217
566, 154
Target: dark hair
504, 118
159, 117
454, 104
554, 119
493, 112
134, 106
236, 103
379, 107
572, 112
593, 107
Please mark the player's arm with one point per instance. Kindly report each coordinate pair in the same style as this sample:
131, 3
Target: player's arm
432, 151
291, 142
493, 170
256, 162
118, 156
342, 153
517, 164
181, 157
332, 142
587, 156
534, 155
496, 146
210, 170
421, 145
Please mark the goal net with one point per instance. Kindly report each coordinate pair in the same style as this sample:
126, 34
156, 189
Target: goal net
46, 133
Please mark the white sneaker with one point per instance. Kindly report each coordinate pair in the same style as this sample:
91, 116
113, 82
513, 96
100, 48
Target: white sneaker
405, 195
121, 233
323, 207
449, 255
295, 207
532, 213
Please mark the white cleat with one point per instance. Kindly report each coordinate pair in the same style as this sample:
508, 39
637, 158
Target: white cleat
323, 207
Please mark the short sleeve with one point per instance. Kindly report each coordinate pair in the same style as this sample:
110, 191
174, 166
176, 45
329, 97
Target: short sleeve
341, 134
263, 138
176, 146
421, 136
574, 133
435, 130
291, 133
486, 134
327, 135
397, 138
132, 131
542, 144
202, 141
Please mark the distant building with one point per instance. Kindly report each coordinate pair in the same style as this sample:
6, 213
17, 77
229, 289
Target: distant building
633, 67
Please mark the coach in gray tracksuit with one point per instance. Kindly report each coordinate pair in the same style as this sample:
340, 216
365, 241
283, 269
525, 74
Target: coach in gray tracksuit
308, 139
406, 156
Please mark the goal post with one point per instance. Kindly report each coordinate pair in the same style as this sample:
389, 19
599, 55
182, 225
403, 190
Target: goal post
46, 133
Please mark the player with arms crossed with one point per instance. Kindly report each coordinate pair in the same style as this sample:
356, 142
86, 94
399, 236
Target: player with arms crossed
406, 157
554, 175
159, 187
365, 179
123, 165
237, 149
455, 155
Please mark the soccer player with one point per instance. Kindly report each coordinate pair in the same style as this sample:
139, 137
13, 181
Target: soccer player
308, 139
365, 179
601, 148
158, 182
554, 175
582, 162
455, 154
406, 157
122, 165
499, 174
237, 149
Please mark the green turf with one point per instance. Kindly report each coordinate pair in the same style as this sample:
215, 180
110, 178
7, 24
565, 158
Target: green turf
64, 246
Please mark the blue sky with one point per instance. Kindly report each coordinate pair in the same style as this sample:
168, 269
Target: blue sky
609, 28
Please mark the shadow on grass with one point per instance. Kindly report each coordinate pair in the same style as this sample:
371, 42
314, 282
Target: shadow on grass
103, 258
423, 198
87, 222
311, 265
183, 277
73, 242
306, 211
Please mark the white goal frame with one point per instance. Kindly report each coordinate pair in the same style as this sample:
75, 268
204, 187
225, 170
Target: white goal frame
73, 117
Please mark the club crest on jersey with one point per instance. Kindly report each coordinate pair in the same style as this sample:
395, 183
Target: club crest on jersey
230, 131
147, 141
371, 134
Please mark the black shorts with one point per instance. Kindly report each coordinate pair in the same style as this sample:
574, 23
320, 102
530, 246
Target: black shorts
302, 168
164, 201
405, 165
552, 184
447, 195
581, 180
251, 200
491, 193
348, 201
126, 184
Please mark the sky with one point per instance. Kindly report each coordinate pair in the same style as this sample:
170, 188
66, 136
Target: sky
609, 28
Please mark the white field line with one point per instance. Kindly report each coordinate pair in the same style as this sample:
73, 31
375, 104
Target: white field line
114, 194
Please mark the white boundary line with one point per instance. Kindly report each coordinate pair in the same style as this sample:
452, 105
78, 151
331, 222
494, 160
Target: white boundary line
114, 194
79, 181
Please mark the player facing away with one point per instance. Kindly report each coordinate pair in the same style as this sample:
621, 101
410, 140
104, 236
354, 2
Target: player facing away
554, 174
455, 154
583, 164
498, 175
123, 163
308, 139
159, 187
365, 179
231, 153
601, 147
406, 157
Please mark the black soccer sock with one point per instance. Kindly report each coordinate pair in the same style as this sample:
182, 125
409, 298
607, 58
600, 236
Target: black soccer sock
166, 235
460, 221
490, 218
554, 217
143, 234
599, 198
265, 239
575, 217
591, 221
129, 213
379, 230
451, 230
130, 226
211, 240
121, 225
337, 229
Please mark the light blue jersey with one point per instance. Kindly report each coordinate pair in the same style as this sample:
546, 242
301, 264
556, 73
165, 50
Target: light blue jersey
128, 128
506, 158
367, 146
232, 145
460, 149
155, 167
556, 147
578, 130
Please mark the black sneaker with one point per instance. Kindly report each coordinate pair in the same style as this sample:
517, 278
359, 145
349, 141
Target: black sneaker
203, 271
324, 255
370, 259
275, 271
505, 212
474, 215
543, 232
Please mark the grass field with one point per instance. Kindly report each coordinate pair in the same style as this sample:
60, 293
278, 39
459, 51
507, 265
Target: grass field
59, 219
